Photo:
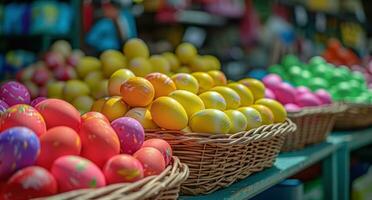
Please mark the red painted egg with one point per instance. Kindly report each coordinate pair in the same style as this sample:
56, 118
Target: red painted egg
123, 168
152, 160
93, 115
57, 112
162, 146
57, 142
28, 183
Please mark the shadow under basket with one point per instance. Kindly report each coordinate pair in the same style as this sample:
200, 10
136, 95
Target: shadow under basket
163, 186
218, 160
313, 125
356, 116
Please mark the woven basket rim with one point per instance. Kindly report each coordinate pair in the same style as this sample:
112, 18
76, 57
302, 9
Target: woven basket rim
357, 105
150, 186
333, 108
260, 133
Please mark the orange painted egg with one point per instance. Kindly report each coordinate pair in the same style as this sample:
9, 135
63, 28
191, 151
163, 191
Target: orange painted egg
137, 91
93, 115
152, 160
123, 168
162, 84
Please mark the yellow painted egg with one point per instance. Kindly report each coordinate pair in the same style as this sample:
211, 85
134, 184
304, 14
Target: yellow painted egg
140, 66
55, 89
213, 100
253, 117
168, 113
137, 92
162, 84
172, 60
255, 86
135, 48
198, 64
98, 104
100, 90
213, 62
190, 101
143, 116
117, 79
83, 103
205, 81
266, 114
183, 69
246, 96
114, 108
232, 98
87, 64
186, 52
111, 53
210, 121
159, 64
93, 78
109, 66
219, 77
75, 88
187, 82
238, 121
187, 130
278, 110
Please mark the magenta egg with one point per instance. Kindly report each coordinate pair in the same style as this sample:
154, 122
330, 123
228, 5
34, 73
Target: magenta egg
269, 94
323, 96
37, 100
307, 100
272, 81
130, 132
285, 93
3, 106
302, 90
13, 93
291, 107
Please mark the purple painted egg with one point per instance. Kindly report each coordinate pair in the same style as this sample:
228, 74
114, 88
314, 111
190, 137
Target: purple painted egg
3, 106
291, 107
130, 132
271, 81
19, 148
307, 100
37, 100
302, 90
269, 94
14, 93
323, 96
285, 93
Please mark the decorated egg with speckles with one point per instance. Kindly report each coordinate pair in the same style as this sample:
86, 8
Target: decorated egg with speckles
23, 115
93, 115
99, 141
19, 148
130, 132
57, 142
162, 146
14, 93
123, 168
75, 172
152, 160
57, 112
3, 106
37, 100
30, 182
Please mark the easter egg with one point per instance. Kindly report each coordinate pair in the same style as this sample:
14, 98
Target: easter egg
198, 64
163, 85
3, 106
87, 64
75, 88
246, 96
135, 47
275, 107
74, 172
269, 94
130, 133
318, 83
117, 79
57, 142
114, 107
100, 90
93, 115
143, 116
285, 93
323, 96
172, 60
190, 101
161, 145
152, 160
301, 90
112, 60
37, 100
41, 76
168, 113
238, 121
14, 93
93, 78
214, 121
183, 69
213, 100
23, 115
140, 66
28, 183
57, 112
19, 148
213, 62
186, 52
232, 98
159, 64
255, 86
137, 91
83, 103
266, 114
98, 104
307, 99
218, 77
122, 169
271, 81
185, 81
291, 107
205, 81
253, 117
32, 88
55, 89
99, 141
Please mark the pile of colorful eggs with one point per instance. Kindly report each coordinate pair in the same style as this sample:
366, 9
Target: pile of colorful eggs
49, 148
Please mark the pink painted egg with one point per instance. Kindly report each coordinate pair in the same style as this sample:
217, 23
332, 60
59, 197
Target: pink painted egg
3, 106
123, 168
94, 115
152, 160
74, 172
269, 94
285, 93
307, 100
37, 100
323, 96
291, 107
162, 146
302, 90
130, 132
271, 81
29, 183
13, 93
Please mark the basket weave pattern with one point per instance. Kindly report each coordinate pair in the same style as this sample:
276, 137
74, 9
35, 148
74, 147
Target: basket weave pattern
161, 187
356, 116
218, 160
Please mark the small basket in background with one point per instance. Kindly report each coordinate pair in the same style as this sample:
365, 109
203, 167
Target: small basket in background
356, 116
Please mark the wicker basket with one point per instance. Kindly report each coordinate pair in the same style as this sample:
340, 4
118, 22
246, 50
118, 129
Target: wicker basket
218, 160
163, 186
314, 125
354, 117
